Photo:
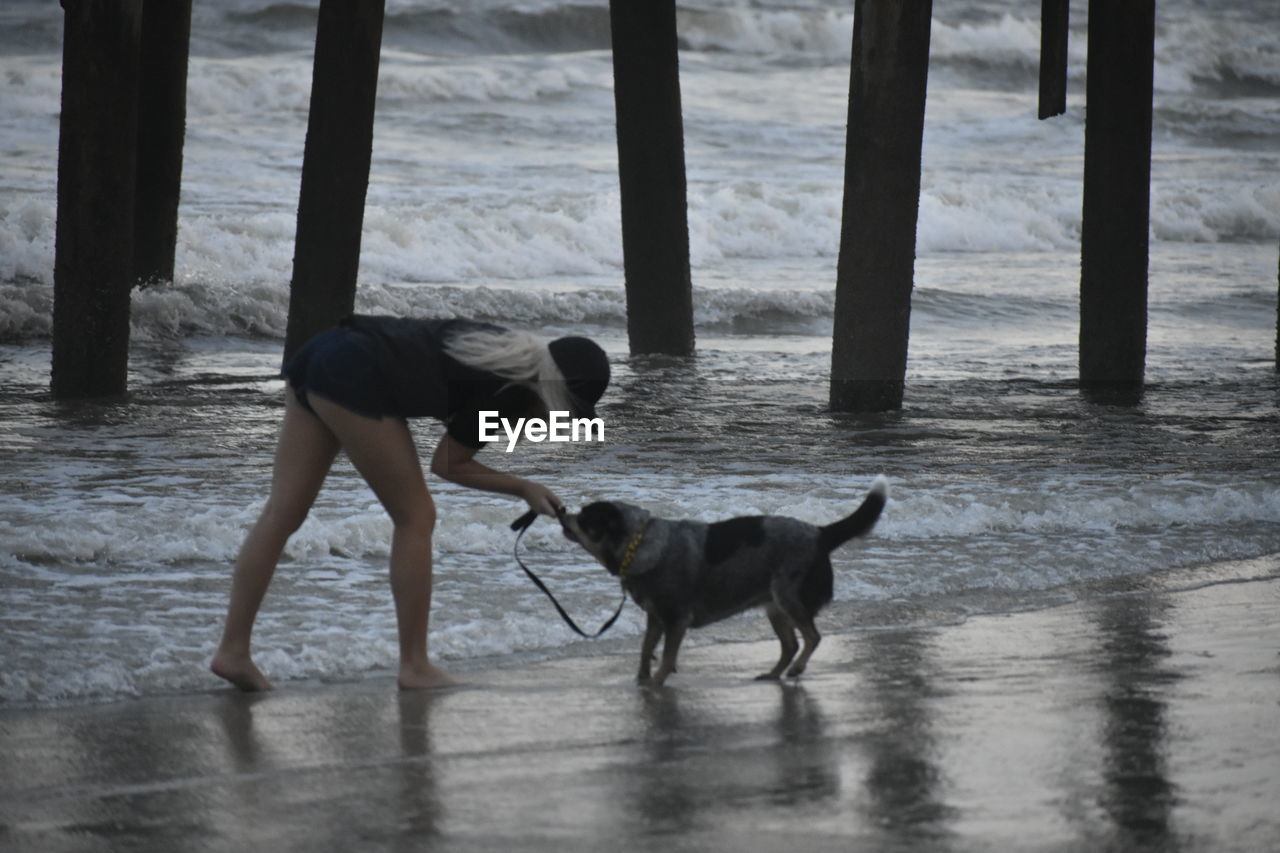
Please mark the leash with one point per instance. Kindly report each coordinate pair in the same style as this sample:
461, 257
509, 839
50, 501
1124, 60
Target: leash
522, 524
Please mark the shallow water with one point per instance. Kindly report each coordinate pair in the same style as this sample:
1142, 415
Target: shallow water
118, 521
494, 194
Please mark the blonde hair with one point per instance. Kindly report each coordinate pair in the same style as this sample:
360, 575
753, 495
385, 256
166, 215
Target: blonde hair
521, 357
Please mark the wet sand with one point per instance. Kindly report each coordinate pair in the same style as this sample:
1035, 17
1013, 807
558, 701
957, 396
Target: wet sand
1148, 720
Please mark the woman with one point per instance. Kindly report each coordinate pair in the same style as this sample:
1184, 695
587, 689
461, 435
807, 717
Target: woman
352, 388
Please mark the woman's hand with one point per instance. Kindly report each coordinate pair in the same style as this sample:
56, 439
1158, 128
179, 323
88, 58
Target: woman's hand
541, 499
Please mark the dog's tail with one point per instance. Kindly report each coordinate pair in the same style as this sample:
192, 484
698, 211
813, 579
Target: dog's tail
860, 522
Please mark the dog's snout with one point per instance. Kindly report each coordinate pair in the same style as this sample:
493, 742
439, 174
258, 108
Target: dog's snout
568, 524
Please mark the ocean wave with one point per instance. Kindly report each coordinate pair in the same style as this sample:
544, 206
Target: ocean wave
248, 85
1229, 51
278, 16
259, 308
1229, 54
233, 271
556, 27
1006, 41
489, 81
1003, 41
766, 32
575, 236
349, 523
977, 215
439, 28
1210, 212
1139, 508
277, 88
757, 219
30, 27
27, 240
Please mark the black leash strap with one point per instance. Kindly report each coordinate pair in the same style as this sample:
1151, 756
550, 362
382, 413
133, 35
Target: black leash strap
522, 524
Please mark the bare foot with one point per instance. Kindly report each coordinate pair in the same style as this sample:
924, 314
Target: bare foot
241, 672
424, 676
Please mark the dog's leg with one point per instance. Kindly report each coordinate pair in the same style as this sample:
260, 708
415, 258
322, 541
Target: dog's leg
670, 648
786, 631
811, 639
652, 632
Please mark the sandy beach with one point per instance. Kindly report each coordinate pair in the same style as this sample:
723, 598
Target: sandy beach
1142, 719
1063, 634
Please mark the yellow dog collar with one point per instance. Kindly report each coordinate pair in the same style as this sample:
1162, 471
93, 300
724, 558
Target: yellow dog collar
632, 547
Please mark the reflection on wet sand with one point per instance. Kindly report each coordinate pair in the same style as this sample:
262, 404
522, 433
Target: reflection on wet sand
702, 763
268, 743
1138, 722
418, 811
903, 788
1137, 794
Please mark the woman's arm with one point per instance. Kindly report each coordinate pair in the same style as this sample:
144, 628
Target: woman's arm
456, 463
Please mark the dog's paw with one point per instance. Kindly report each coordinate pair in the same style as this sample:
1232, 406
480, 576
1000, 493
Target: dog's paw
767, 676
795, 672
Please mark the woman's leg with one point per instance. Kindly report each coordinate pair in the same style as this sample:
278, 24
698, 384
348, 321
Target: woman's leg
384, 453
304, 453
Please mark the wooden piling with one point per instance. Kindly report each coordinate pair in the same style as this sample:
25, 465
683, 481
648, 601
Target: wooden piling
874, 273
93, 255
162, 118
335, 167
650, 129
1054, 20
1117, 192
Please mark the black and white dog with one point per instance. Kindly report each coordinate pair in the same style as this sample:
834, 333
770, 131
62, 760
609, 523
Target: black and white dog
686, 574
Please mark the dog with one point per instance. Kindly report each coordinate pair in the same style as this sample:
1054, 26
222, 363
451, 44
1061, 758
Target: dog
686, 574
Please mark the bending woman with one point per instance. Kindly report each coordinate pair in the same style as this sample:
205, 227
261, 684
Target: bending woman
352, 389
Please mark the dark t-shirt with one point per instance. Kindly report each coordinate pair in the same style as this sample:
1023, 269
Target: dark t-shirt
421, 380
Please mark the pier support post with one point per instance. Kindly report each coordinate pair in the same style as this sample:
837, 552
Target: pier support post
93, 255
335, 167
1055, 16
655, 228
162, 121
1117, 195
881, 203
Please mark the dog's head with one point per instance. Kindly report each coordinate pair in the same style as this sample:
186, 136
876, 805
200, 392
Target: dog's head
605, 529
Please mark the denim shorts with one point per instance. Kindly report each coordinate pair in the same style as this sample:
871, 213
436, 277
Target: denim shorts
340, 365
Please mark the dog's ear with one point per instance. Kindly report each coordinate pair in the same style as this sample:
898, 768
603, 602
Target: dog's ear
603, 521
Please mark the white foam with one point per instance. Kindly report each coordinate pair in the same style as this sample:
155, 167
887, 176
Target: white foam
946, 513
152, 589
233, 271
1210, 212
349, 522
767, 32
464, 209
414, 82
1007, 40
980, 216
